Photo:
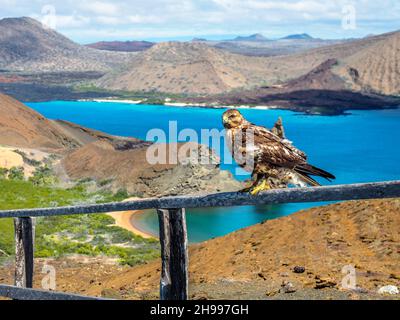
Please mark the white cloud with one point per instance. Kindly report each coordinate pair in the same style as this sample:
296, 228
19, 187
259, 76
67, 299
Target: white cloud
100, 7
146, 19
104, 20
71, 21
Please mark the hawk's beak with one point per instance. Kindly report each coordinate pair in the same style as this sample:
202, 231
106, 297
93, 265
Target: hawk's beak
225, 119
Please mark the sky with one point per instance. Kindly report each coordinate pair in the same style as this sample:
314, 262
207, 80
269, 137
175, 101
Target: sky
86, 21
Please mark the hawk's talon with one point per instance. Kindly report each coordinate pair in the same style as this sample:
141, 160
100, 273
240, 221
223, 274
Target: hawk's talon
263, 186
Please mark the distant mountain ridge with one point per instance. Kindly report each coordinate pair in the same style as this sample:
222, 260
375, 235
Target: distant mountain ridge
302, 36
26, 45
253, 37
125, 46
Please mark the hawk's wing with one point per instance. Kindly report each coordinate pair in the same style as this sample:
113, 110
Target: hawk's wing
270, 148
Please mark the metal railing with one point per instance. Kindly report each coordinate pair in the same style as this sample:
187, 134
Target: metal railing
173, 231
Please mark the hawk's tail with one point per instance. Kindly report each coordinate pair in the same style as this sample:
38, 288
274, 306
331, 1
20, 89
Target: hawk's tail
305, 170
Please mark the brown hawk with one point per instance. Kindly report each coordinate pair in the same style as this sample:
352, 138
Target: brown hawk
272, 159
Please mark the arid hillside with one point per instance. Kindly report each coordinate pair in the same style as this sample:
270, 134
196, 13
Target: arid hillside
375, 68
26, 45
197, 68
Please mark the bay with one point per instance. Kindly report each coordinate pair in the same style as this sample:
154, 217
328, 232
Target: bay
360, 147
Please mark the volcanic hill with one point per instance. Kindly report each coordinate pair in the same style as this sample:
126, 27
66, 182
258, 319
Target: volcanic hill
26, 45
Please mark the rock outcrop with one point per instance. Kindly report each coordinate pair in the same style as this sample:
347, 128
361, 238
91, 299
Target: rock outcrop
132, 170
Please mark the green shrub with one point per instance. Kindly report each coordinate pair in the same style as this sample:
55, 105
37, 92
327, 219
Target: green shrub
43, 176
121, 194
16, 173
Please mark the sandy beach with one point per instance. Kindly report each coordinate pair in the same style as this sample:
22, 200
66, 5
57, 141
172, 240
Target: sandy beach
123, 219
113, 101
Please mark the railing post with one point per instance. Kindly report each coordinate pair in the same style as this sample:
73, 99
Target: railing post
24, 246
174, 280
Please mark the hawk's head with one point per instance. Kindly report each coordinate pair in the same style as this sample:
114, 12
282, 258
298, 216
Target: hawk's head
232, 119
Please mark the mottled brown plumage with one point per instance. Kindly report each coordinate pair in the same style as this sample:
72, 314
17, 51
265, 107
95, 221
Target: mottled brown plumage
271, 158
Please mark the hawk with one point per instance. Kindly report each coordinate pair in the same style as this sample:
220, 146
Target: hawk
272, 159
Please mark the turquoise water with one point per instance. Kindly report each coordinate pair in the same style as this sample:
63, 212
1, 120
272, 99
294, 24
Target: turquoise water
360, 147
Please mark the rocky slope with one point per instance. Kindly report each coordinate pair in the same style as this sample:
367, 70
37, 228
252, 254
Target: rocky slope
25, 45
376, 68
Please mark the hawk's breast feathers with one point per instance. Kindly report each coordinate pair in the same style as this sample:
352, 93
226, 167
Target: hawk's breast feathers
250, 140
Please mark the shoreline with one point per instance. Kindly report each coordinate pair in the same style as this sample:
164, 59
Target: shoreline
127, 101
184, 104
123, 219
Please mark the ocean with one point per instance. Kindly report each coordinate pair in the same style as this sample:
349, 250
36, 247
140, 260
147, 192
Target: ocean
362, 146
